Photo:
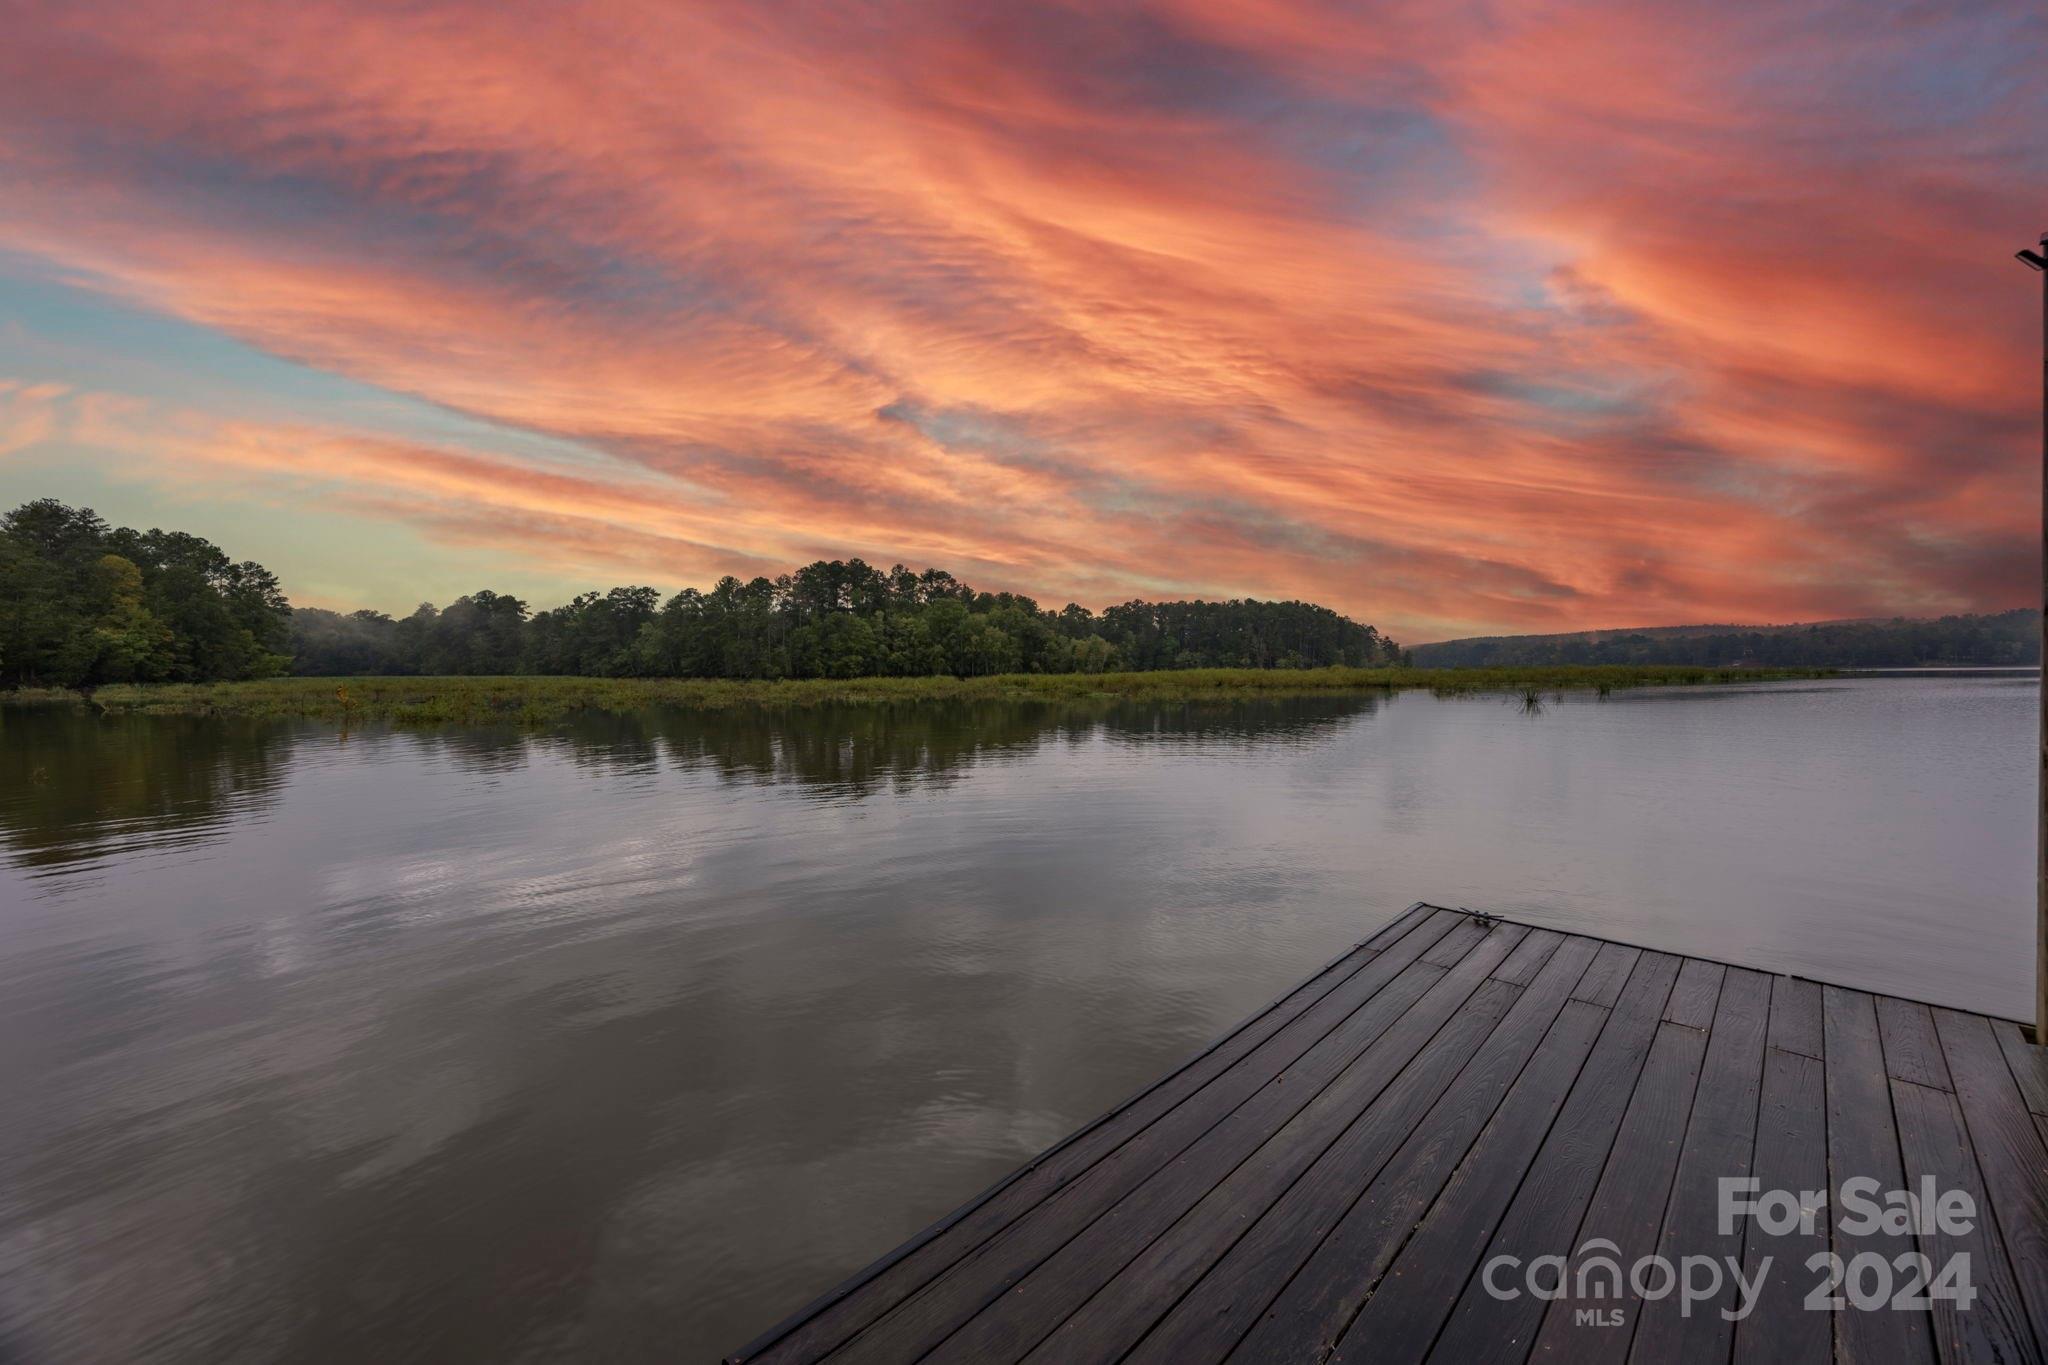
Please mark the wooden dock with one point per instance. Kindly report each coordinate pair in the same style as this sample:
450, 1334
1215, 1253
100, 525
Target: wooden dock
1334, 1178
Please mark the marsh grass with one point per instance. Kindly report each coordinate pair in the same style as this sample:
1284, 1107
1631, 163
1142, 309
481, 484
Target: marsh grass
40, 696
537, 701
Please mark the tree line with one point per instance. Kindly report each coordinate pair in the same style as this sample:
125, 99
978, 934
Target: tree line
2005, 638
84, 603
830, 619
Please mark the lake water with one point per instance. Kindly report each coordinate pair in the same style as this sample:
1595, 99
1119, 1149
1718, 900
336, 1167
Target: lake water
622, 1040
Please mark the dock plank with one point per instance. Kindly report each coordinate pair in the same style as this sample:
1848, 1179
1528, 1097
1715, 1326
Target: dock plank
1912, 1052
1720, 1139
1791, 1155
1697, 992
1863, 1144
1795, 1017
2009, 1151
2029, 1064
1529, 957
1994, 1326
1609, 973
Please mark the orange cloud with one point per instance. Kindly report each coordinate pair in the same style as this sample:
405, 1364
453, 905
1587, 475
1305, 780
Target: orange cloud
1541, 319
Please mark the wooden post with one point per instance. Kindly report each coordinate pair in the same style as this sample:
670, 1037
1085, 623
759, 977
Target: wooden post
2041, 843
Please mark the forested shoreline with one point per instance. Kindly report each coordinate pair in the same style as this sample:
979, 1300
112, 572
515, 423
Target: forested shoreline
2002, 639
86, 604
830, 619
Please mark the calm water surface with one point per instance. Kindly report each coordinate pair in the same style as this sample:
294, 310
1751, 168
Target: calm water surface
623, 1039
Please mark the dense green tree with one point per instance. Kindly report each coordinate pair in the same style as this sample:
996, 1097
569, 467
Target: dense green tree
83, 603
67, 537
126, 642
37, 621
483, 633
596, 633
836, 645
1246, 634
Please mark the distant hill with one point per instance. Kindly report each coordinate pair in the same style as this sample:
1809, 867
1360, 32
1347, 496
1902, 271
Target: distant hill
2010, 637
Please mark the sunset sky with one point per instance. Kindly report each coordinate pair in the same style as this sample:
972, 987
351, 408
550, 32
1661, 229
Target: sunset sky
1456, 317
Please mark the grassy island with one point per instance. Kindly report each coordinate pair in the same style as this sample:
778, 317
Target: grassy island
540, 700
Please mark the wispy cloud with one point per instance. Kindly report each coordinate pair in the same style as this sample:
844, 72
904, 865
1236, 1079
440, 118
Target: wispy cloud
1452, 316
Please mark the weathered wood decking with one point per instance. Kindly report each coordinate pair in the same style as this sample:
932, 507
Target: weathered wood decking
1328, 1180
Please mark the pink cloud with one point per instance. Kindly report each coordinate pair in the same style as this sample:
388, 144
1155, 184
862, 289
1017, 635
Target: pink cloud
1561, 318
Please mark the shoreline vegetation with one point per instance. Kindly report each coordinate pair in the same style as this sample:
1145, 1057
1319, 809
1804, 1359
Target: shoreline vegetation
536, 700
2003, 640
84, 604
165, 622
